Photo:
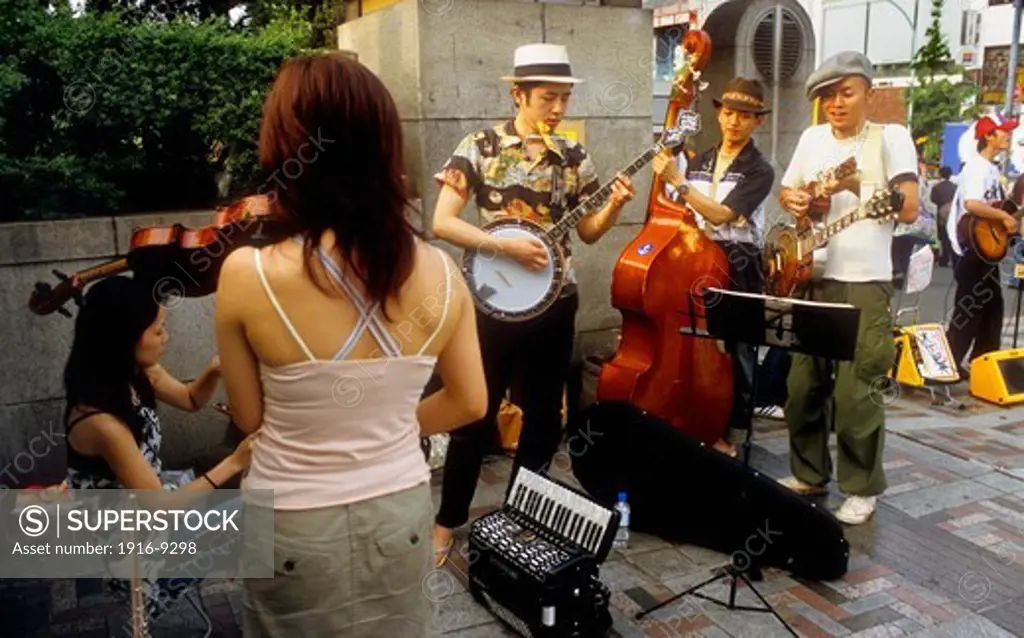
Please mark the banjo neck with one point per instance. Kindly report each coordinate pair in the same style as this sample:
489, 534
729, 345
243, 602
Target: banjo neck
569, 220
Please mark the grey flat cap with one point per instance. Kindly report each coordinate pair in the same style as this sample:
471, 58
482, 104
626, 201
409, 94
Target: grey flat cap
836, 68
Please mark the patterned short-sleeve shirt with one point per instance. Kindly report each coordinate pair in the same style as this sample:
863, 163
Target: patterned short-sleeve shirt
491, 167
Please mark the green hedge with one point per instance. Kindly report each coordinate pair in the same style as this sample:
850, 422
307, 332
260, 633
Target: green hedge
100, 116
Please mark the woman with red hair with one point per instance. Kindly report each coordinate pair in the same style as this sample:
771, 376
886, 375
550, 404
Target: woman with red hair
327, 339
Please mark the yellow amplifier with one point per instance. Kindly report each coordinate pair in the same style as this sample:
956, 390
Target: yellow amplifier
923, 356
998, 377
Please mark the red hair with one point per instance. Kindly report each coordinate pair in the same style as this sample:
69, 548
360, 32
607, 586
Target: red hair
331, 151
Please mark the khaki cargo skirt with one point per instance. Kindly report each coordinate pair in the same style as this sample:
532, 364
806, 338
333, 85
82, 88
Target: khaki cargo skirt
349, 570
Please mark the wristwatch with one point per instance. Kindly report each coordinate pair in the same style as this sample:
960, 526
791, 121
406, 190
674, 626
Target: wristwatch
683, 189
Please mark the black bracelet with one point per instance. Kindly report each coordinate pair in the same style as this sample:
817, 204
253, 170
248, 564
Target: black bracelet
210, 481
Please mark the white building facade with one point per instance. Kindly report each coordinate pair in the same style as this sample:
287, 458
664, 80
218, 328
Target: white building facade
978, 32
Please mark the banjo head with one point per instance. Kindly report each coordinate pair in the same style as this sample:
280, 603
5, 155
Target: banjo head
504, 289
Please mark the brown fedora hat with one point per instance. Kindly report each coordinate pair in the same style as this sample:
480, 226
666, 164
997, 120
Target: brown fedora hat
741, 94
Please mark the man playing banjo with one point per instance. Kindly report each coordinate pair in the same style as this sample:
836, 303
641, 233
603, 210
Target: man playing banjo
520, 168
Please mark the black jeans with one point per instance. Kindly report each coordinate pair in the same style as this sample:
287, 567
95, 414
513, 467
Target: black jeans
771, 378
978, 309
535, 355
946, 255
745, 275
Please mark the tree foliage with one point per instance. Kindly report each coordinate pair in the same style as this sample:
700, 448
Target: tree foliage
168, 10
937, 101
323, 16
934, 57
99, 115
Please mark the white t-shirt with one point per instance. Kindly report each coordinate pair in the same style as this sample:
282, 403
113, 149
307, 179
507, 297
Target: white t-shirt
861, 252
979, 179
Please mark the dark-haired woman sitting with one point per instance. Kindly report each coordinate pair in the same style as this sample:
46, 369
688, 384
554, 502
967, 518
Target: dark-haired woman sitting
329, 337
112, 382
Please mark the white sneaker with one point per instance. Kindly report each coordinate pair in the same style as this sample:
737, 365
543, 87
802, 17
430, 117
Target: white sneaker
773, 412
857, 509
800, 487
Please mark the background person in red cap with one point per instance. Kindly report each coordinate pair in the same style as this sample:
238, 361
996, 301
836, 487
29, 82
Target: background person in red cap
978, 310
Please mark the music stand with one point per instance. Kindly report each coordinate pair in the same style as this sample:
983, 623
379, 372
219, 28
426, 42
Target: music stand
827, 330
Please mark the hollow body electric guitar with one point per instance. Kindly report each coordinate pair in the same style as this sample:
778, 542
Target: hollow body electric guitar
988, 237
789, 251
504, 289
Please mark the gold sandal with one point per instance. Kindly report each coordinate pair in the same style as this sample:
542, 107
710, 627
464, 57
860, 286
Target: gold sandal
442, 554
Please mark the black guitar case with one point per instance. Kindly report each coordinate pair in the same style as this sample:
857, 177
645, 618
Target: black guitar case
685, 492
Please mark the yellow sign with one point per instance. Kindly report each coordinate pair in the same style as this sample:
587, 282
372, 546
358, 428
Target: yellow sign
575, 130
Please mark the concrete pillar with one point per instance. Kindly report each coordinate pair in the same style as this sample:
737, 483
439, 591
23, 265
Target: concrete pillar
442, 61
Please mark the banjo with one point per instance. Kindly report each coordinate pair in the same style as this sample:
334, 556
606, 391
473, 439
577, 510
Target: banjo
504, 289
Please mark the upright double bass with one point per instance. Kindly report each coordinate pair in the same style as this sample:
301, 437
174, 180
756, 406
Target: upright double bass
658, 286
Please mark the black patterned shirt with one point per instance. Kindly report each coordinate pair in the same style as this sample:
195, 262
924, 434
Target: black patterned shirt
491, 167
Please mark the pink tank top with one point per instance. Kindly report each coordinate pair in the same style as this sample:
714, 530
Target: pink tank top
341, 431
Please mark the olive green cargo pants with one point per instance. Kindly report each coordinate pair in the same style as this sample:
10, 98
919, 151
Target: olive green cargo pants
859, 394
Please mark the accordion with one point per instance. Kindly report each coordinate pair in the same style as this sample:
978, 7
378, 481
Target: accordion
534, 562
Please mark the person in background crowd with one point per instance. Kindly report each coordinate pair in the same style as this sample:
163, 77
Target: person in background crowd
942, 196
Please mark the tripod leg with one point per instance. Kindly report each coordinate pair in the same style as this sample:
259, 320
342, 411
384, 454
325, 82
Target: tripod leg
768, 606
1016, 319
641, 614
751, 407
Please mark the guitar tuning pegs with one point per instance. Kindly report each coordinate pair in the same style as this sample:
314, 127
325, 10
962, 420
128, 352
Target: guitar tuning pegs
59, 275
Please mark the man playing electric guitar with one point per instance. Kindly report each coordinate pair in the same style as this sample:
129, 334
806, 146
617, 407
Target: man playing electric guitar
978, 310
512, 170
727, 185
858, 271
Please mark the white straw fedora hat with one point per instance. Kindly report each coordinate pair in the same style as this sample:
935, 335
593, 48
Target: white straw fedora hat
542, 63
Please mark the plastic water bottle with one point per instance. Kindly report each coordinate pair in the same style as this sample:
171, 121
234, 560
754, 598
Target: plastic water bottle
622, 534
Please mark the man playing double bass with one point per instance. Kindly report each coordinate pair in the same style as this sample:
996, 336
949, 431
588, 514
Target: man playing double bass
727, 185
858, 271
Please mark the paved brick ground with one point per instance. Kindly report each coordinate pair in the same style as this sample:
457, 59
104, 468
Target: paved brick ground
944, 555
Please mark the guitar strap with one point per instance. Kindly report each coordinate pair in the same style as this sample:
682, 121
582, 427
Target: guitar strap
872, 164
558, 194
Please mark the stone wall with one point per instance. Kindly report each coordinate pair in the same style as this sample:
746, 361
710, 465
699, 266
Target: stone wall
442, 62
34, 348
